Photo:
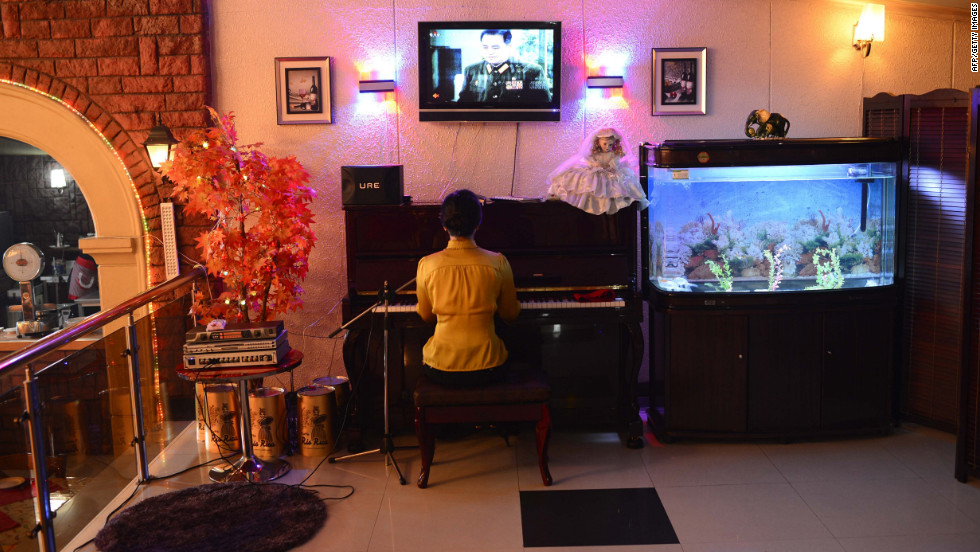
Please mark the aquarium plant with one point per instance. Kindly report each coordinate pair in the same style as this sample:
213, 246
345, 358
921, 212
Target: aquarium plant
722, 271
828, 272
775, 266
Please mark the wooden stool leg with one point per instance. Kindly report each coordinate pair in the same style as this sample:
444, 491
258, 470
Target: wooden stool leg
543, 433
426, 445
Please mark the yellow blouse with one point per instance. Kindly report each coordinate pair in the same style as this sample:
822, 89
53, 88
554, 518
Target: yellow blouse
460, 288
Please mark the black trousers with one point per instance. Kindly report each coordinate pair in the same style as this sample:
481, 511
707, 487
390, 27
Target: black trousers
472, 378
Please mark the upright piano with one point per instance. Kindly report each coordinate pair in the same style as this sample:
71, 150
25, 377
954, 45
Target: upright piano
591, 351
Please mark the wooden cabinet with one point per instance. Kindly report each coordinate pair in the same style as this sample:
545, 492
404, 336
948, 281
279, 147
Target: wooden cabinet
824, 367
784, 368
706, 387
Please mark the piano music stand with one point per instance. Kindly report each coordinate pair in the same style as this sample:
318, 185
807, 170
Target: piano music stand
386, 443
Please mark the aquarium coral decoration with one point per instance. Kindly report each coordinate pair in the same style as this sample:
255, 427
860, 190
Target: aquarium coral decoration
829, 275
824, 224
722, 271
775, 266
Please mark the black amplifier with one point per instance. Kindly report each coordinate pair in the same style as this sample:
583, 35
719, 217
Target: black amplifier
231, 332
372, 184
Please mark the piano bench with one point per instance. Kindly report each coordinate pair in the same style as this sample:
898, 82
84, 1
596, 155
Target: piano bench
521, 397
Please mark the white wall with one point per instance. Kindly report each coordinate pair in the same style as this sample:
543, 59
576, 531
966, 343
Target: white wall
789, 56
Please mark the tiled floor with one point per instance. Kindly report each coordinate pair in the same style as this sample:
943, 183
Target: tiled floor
894, 493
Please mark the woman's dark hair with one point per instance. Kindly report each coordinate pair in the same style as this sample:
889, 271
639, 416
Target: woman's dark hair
461, 213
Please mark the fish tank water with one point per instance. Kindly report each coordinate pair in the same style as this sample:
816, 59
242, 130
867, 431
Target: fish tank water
770, 216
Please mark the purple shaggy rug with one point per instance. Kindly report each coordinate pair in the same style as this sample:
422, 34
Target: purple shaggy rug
220, 517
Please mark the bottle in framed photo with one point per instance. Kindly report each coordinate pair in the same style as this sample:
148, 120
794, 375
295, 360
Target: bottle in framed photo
314, 98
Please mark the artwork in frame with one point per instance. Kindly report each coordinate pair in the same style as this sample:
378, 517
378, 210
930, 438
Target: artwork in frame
303, 90
680, 83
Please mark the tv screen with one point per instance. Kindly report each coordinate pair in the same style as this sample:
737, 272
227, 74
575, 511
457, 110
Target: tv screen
489, 71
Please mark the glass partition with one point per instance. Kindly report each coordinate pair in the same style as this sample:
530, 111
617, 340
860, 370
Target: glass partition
88, 423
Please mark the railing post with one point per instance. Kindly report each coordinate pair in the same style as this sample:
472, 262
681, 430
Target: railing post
136, 399
43, 516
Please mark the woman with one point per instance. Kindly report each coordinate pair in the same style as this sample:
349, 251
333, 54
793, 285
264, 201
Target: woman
460, 288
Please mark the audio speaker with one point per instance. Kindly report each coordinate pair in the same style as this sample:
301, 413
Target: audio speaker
371, 184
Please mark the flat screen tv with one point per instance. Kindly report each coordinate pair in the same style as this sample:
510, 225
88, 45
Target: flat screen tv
489, 71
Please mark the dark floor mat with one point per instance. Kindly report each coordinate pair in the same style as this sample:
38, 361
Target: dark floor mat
595, 517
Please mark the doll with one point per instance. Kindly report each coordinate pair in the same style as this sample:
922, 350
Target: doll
600, 179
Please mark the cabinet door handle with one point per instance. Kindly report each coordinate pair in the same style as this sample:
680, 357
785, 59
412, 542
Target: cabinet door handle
740, 355
829, 352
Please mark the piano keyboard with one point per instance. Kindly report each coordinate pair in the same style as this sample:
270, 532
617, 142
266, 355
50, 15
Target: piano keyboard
534, 304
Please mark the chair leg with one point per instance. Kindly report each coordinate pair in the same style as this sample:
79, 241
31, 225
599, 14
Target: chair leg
543, 434
426, 445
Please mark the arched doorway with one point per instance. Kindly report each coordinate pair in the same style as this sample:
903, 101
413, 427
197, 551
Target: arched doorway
51, 125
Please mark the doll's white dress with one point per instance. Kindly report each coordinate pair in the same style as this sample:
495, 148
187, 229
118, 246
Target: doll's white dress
599, 183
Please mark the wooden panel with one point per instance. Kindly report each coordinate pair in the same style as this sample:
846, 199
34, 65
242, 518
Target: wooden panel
857, 368
883, 116
933, 235
935, 255
968, 434
784, 372
706, 388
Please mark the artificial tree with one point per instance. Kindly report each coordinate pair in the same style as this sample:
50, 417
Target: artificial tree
259, 242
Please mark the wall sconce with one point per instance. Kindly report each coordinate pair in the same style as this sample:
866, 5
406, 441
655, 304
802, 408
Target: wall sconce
58, 178
604, 82
376, 85
159, 144
869, 28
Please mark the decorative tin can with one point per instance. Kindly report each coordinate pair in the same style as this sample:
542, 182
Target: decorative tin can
267, 409
201, 409
223, 419
341, 387
317, 405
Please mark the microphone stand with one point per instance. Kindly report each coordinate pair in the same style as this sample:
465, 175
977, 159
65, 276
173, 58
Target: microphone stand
386, 443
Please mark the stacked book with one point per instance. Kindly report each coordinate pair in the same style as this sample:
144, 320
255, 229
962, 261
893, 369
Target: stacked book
253, 344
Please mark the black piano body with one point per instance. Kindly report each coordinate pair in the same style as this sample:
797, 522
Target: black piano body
592, 354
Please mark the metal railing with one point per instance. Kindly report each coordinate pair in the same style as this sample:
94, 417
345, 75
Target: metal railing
32, 415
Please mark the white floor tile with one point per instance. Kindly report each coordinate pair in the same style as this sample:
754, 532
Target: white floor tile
871, 508
810, 545
849, 459
926, 452
630, 548
734, 513
480, 462
960, 542
966, 496
350, 524
895, 493
685, 464
574, 462
434, 522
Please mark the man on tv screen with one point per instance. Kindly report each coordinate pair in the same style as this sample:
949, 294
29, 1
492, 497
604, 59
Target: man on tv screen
500, 78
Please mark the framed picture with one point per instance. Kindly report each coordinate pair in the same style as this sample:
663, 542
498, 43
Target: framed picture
680, 83
303, 90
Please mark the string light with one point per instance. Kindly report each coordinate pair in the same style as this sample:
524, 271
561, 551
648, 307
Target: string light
143, 221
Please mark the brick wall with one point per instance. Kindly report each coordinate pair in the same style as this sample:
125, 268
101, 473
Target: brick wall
118, 62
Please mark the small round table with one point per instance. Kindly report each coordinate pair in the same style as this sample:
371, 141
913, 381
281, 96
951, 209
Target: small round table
248, 466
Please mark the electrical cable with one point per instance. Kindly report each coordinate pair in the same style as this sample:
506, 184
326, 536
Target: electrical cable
513, 173
355, 388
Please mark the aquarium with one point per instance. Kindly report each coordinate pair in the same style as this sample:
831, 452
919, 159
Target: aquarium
770, 216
